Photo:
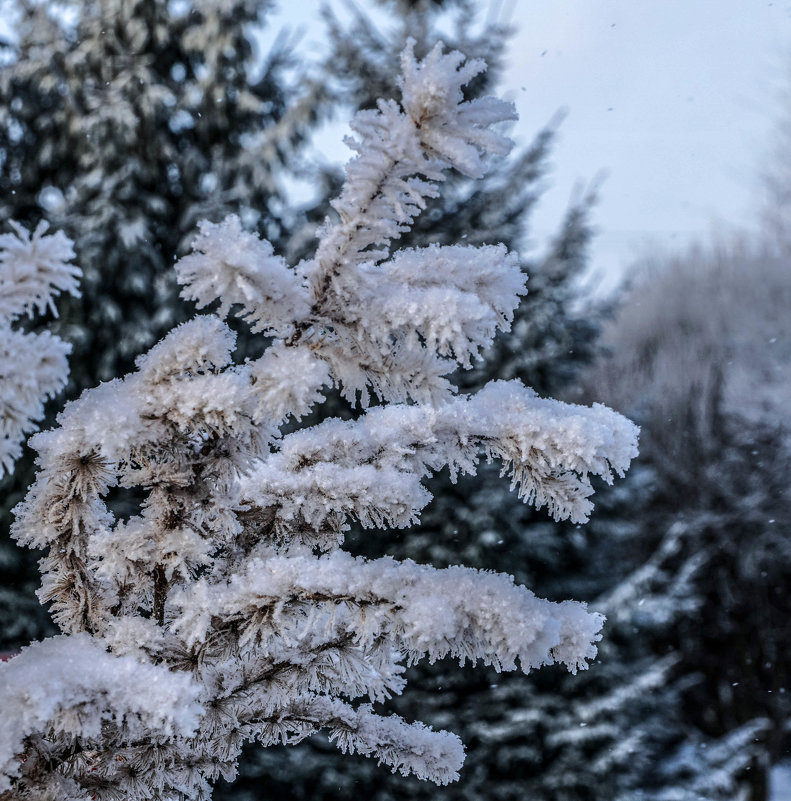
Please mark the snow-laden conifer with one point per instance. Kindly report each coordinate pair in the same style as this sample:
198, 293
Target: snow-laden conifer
34, 270
231, 586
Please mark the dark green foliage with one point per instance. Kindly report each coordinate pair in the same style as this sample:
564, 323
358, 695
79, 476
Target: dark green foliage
707, 535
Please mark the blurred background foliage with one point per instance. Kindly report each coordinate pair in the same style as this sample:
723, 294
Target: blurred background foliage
124, 122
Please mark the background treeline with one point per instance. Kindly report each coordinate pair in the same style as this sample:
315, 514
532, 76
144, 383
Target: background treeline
123, 123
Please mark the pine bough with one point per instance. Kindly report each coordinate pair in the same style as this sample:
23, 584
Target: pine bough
226, 610
34, 269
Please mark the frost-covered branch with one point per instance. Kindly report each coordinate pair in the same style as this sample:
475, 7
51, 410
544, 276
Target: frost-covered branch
370, 470
431, 131
461, 612
385, 326
229, 581
34, 269
68, 687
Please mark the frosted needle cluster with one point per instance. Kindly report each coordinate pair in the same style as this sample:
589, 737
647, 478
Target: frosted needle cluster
34, 269
226, 610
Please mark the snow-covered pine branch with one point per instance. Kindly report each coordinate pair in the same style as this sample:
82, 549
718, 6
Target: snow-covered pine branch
34, 269
370, 470
382, 324
72, 688
232, 575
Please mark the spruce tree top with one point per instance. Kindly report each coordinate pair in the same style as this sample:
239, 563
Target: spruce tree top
227, 610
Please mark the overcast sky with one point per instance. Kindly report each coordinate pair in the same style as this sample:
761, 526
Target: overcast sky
674, 99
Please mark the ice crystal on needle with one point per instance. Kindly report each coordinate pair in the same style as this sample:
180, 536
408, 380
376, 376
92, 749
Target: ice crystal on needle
231, 586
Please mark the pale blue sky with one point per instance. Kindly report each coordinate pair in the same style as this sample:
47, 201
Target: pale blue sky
674, 99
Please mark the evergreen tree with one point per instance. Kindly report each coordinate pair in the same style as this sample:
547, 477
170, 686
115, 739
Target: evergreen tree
127, 121
552, 336
226, 609
124, 122
476, 522
710, 557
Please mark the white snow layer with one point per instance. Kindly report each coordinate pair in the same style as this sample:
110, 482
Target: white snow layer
72, 685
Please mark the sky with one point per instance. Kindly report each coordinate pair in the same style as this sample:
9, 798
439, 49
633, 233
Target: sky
674, 100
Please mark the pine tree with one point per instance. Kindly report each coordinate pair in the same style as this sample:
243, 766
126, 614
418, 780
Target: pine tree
551, 337
708, 554
226, 609
128, 121
478, 522
124, 122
